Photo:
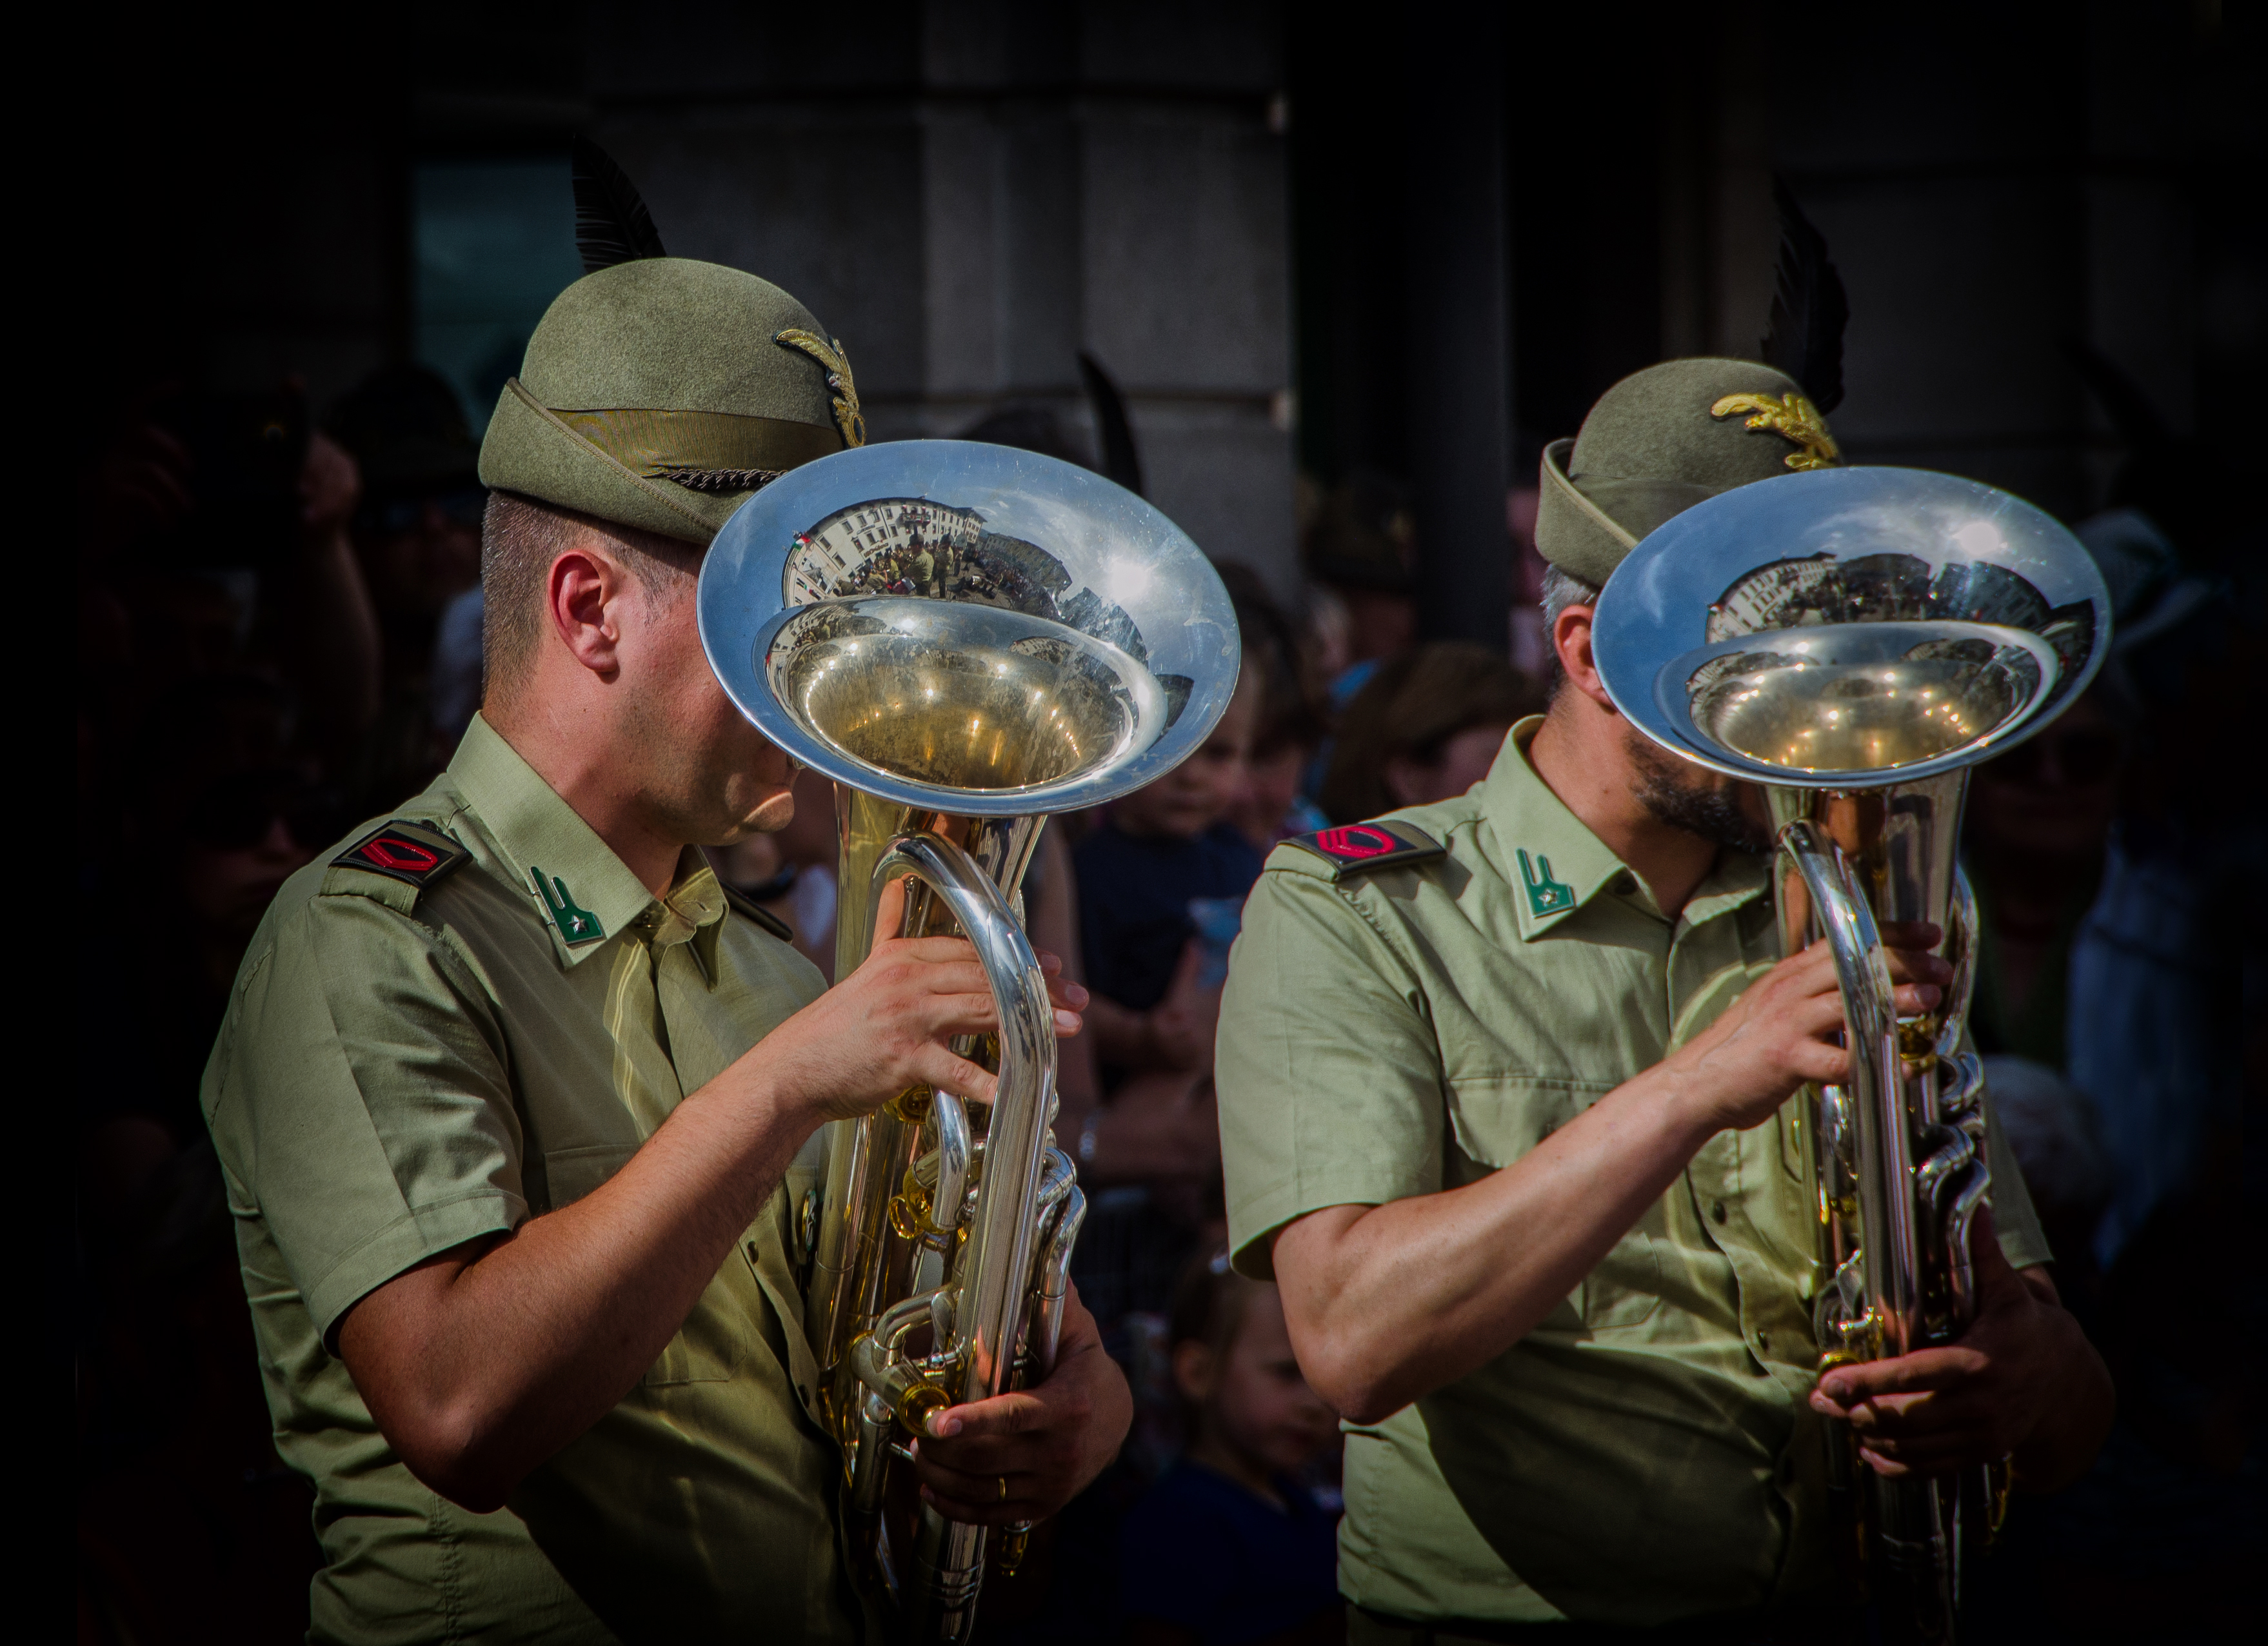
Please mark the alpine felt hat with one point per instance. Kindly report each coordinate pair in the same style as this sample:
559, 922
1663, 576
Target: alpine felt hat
1660, 441
660, 392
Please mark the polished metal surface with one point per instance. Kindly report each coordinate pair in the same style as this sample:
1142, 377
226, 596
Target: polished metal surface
966, 639
1109, 589
1855, 700
975, 1358
1855, 641
932, 696
1818, 627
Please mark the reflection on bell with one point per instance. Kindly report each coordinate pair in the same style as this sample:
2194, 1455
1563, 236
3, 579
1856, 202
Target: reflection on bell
1811, 715
962, 697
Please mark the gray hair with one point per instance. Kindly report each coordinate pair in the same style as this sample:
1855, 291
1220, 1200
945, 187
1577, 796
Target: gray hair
1561, 590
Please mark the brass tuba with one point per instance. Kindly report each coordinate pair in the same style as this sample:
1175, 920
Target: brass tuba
966, 639
1856, 640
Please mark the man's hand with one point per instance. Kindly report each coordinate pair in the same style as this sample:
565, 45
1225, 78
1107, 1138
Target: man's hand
1782, 1031
888, 1025
1023, 1456
2022, 1380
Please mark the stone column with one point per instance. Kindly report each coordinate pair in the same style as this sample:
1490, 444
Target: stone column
970, 192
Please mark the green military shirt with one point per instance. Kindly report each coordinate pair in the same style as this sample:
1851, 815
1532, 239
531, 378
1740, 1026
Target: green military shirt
413, 1060
1645, 1453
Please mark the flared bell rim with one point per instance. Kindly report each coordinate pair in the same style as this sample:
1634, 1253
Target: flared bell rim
1654, 617
1124, 567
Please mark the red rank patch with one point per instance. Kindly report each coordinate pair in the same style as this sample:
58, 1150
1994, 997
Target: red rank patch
400, 853
1353, 847
1355, 841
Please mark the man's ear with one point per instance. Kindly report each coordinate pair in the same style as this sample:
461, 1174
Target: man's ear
1571, 639
585, 594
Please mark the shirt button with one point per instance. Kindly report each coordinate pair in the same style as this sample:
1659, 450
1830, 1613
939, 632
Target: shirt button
1764, 1341
1717, 1210
1625, 885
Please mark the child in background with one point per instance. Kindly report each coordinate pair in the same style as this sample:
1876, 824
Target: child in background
1287, 731
1159, 849
1229, 1547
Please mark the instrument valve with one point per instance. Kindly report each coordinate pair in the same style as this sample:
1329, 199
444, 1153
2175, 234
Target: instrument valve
919, 1404
909, 1210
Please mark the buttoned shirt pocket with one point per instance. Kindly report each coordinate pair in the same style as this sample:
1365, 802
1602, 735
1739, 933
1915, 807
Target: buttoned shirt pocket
1497, 1119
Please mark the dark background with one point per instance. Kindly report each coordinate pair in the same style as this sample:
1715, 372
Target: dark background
1308, 243
1303, 242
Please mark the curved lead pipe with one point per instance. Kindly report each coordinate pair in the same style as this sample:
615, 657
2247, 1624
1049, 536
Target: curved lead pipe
994, 1270
1889, 1252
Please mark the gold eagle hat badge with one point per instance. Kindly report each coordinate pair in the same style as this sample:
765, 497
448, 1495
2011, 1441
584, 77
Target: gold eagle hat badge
828, 353
1792, 417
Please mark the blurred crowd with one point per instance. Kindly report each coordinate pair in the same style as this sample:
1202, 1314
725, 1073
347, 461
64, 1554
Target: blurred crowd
279, 634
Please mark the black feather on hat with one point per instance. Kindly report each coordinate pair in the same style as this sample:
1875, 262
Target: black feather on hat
611, 225
1804, 337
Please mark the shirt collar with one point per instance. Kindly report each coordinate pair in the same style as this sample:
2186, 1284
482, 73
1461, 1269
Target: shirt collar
1557, 866
584, 891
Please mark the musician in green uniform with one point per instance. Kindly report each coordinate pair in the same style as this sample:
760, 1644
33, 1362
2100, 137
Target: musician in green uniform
519, 1109
1506, 1093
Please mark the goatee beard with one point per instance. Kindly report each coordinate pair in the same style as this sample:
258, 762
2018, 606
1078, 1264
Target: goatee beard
1667, 790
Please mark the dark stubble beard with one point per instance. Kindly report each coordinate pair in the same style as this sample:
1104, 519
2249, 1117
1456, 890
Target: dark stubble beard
1677, 793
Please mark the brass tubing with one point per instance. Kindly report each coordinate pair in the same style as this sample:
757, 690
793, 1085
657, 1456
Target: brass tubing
992, 1279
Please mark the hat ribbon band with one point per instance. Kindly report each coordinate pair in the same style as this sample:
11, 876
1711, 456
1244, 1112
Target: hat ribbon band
660, 444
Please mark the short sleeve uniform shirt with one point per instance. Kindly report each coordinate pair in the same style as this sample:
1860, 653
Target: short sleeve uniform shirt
1645, 1453
410, 1062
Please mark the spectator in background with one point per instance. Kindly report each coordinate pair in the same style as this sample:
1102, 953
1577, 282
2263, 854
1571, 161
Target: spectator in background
1426, 727
2057, 1137
2115, 893
1276, 806
790, 872
1234, 1544
417, 536
1161, 883
1288, 729
1531, 647
229, 662
1362, 550
1159, 849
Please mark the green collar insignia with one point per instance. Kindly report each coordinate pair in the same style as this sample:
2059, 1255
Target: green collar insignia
577, 925
1545, 895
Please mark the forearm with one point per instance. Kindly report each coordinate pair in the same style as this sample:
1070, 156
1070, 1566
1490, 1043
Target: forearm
1389, 1303
520, 1349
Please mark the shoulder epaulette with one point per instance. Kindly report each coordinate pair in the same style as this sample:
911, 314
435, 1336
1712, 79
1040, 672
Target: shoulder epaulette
415, 854
749, 909
1359, 847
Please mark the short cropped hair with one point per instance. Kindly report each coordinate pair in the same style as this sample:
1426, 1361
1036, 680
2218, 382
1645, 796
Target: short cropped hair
519, 539
1561, 590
